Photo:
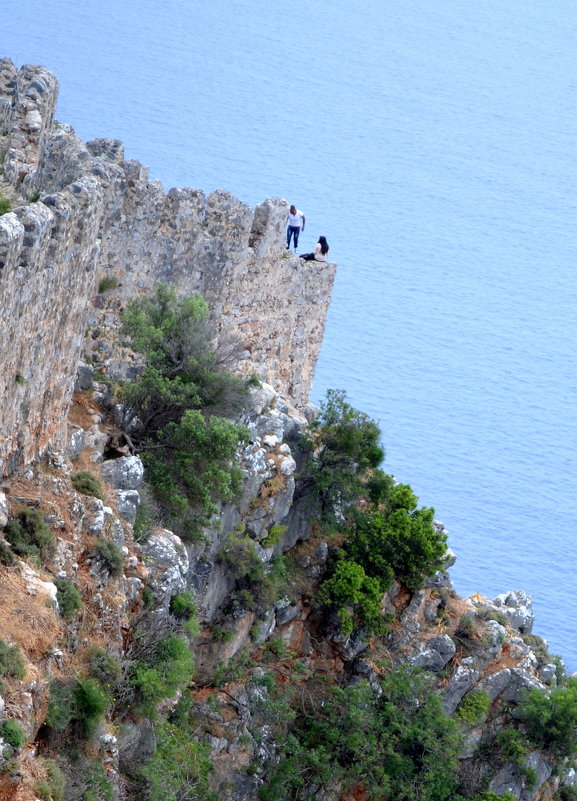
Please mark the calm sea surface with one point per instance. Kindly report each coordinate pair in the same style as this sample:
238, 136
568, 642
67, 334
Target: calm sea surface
434, 145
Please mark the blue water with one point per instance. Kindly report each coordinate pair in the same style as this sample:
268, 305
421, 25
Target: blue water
434, 145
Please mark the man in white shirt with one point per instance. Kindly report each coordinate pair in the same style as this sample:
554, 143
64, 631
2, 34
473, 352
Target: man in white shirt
296, 221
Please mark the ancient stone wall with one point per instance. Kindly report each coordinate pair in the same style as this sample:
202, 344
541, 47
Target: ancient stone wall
100, 216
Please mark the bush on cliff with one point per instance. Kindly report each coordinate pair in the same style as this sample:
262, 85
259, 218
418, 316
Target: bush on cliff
344, 742
177, 406
551, 719
397, 541
29, 535
344, 450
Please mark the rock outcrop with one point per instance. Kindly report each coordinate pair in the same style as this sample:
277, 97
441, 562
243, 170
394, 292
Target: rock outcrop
99, 221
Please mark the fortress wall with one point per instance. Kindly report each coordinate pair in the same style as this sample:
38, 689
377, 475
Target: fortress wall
100, 215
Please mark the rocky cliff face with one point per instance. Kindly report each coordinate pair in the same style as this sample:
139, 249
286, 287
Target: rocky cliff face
99, 217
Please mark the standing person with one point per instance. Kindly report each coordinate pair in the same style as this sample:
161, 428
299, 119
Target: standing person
296, 221
319, 253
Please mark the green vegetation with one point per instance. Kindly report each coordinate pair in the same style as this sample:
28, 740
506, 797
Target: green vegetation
512, 745
111, 554
344, 445
11, 661
29, 535
186, 444
19, 379
5, 205
104, 667
108, 282
162, 672
274, 536
180, 767
401, 746
68, 597
7, 557
385, 535
51, 788
182, 606
76, 707
474, 707
355, 596
87, 484
551, 719
397, 541
11, 732
257, 585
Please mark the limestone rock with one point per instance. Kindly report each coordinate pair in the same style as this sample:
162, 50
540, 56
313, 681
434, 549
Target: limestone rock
3, 510
125, 473
461, 681
128, 503
167, 558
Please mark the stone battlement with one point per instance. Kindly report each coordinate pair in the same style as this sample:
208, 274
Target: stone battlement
99, 216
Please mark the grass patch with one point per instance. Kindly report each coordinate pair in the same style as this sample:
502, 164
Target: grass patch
87, 484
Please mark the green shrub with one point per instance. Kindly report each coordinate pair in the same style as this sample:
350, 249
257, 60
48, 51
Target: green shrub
551, 719
189, 451
355, 597
5, 205
398, 541
111, 554
29, 535
474, 707
7, 557
167, 668
256, 586
87, 484
179, 768
485, 613
91, 702
344, 448
108, 282
34, 197
11, 731
401, 746
274, 536
79, 703
11, 661
52, 787
566, 794
193, 468
512, 745
147, 597
221, 635
182, 606
68, 597
104, 667
539, 647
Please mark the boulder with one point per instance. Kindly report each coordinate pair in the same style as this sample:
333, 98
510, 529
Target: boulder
461, 681
125, 473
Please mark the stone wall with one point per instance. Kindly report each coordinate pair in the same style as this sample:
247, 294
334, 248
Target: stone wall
99, 216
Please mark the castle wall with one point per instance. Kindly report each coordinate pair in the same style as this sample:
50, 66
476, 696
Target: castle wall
101, 216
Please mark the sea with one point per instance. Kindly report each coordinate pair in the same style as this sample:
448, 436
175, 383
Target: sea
434, 145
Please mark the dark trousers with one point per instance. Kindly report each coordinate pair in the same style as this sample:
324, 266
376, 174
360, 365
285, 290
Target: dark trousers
307, 256
292, 230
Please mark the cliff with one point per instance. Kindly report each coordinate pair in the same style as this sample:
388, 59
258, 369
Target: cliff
97, 218
105, 609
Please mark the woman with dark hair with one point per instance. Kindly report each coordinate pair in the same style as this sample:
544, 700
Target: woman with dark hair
319, 253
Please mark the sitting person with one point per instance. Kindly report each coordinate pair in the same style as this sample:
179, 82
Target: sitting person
319, 253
